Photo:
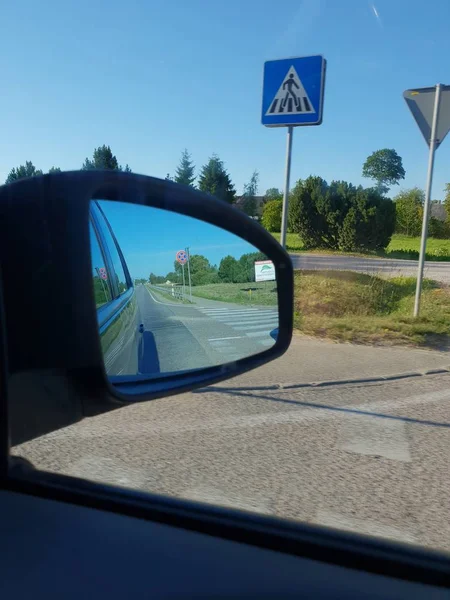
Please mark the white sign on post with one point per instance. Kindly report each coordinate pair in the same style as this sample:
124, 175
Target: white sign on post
264, 270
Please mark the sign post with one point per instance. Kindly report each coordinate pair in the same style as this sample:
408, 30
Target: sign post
189, 272
181, 258
430, 108
293, 92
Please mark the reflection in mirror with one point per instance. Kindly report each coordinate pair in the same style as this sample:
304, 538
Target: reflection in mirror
174, 293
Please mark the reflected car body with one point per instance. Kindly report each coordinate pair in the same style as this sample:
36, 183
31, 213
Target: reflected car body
118, 315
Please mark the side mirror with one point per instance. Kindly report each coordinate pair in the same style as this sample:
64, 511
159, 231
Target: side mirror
129, 288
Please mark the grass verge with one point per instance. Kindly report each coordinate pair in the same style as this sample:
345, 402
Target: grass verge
163, 295
354, 307
401, 246
263, 293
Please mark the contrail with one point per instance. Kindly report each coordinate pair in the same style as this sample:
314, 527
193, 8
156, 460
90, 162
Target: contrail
375, 12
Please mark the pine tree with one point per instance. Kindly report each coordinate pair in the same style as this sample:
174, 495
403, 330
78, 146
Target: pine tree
185, 172
215, 180
103, 158
26, 170
250, 191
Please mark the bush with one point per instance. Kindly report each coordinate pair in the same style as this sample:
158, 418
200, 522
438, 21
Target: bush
340, 216
409, 211
271, 217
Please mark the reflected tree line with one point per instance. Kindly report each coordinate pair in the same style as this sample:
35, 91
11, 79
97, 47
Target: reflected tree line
230, 270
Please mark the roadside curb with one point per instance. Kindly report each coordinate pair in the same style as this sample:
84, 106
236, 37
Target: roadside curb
338, 382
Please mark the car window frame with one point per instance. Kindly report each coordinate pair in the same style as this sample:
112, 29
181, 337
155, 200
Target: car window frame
101, 222
105, 260
107, 313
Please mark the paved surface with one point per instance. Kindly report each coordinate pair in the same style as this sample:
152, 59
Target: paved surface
181, 336
437, 270
367, 456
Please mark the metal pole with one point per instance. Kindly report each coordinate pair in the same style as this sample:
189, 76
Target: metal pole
284, 216
184, 282
189, 272
102, 282
426, 208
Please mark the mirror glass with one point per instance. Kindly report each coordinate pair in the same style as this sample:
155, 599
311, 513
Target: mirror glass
174, 293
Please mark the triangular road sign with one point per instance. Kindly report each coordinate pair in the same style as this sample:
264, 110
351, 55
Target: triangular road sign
291, 98
421, 104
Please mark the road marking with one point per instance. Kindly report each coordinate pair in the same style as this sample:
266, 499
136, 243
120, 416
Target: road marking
268, 326
110, 471
236, 337
159, 301
358, 525
308, 415
375, 437
240, 309
269, 342
252, 317
212, 495
302, 414
254, 334
228, 309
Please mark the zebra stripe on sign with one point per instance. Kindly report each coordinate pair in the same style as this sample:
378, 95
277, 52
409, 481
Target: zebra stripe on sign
291, 98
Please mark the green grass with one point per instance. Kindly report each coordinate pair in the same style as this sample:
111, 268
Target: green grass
293, 242
401, 246
360, 308
262, 293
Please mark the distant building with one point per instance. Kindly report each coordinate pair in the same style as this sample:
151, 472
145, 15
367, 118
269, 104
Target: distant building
438, 211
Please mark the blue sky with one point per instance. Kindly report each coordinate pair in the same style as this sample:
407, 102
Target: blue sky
150, 238
151, 77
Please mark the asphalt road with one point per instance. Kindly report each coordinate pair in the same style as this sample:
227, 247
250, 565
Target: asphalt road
181, 336
369, 455
437, 270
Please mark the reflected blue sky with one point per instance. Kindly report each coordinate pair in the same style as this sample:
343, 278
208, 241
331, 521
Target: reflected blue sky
150, 237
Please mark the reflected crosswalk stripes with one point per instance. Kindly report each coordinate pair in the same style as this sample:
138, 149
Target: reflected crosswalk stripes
255, 323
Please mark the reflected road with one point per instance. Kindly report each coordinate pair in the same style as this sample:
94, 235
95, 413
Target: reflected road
181, 336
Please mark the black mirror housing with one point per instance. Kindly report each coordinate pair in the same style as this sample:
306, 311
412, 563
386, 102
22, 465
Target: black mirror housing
51, 330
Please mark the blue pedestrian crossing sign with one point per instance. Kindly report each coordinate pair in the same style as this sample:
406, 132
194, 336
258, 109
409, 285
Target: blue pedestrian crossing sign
293, 91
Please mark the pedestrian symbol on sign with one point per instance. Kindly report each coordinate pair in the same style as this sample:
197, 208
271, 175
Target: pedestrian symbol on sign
291, 97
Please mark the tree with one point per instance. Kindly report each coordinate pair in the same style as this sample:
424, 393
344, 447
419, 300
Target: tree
54, 170
173, 277
250, 191
446, 202
409, 211
215, 180
313, 212
247, 266
340, 216
271, 217
185, 170
23, 171
103, 158
385, 167
273, 194
156, 279
229, 269
202, 272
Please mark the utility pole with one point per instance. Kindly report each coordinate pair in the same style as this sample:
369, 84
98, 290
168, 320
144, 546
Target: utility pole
189, 272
